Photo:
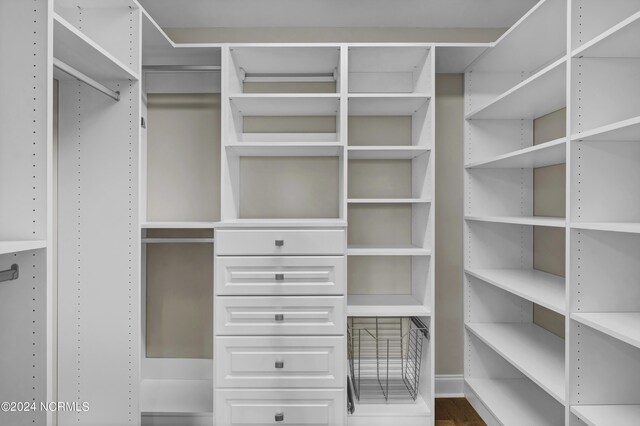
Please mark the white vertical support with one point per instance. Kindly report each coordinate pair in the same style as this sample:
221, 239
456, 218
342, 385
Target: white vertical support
568, 280
343, 130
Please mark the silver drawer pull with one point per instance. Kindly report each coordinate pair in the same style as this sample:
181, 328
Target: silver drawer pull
279, 317
279, 364
279, 243
279, 277
279, 417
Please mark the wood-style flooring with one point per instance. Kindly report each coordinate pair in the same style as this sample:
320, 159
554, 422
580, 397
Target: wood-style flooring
456, 412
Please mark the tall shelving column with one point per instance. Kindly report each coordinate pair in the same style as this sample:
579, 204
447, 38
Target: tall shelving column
391, 213
514, 368
605, 213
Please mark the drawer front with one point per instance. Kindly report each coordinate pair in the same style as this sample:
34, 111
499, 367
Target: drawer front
280, 406
286, 315
280, 362
280, 242
281, 275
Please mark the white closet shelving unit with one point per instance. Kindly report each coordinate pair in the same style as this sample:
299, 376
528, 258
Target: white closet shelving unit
515, 371
514, 368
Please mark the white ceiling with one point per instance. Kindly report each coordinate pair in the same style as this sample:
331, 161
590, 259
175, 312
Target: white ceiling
337, 13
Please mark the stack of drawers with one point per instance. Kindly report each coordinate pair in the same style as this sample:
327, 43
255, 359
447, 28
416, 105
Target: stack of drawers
280, 324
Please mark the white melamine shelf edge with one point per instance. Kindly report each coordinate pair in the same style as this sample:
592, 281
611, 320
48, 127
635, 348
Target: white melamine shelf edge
544, 154
170, 396
598, 415
624, 326
284, 223
536, 352
536, 286
392, 95
608, 34
516, 401
528, 82
177, 240
389, 200
179, 225
286, 149
357, 250
630, 130
627, 227
8, 247
72, 33
385, 152
284, 96
554, 222
385, 306
419, 408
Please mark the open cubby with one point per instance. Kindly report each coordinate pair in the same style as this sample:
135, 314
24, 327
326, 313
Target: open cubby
593, 18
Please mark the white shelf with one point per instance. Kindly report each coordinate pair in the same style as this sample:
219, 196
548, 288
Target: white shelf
455, 58
545, 154
598, 415
178, 225
385, 152
385, 306
626, 130
7, 247
177, 240
628, 227
394, 411
176, 396
386, 59
537, 353
286, 59
389, 200
405, 250
536, 286
623, 326
282, 223
540, 94
286, 149
620, 41
286, 104
536, 39
517, 401
386, 103
74, 48
554, 222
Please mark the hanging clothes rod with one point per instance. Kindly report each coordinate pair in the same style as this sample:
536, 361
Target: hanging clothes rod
68, 69
288, 77
181, 68
10, 274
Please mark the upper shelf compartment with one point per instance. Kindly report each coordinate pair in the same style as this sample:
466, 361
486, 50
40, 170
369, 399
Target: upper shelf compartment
390, 69
74, 48
284, 69
536, 40
596, 19
620, 41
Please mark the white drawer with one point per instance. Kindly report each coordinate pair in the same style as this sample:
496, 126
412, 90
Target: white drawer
280, 406
280, 315
280, 275
280, 242
280, 362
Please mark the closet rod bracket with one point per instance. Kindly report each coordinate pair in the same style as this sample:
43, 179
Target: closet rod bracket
10, 274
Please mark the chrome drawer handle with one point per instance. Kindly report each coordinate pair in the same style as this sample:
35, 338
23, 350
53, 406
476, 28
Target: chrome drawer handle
279, 317
279, 417
279, 277
279, 243
279, 364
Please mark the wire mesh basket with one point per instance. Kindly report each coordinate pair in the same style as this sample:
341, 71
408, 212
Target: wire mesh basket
384, 357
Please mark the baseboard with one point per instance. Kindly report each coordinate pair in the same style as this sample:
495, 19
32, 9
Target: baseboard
449, 386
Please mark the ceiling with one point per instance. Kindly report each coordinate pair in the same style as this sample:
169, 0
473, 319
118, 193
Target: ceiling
337, 13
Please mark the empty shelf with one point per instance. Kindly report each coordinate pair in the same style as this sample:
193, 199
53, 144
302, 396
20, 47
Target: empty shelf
385, 152
386, 104
536, 286
630, 227
7, 247
178, 225
385, 306
286, 104
282, 223
176, 396
540, 94
537, 353
286, 149
620, 41
74, 48
554, 222
389, 200
545, 154
623, 326
598, 415
396, 250
625, 130
517, 401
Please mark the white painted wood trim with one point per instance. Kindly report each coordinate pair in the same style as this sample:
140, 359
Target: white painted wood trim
449, 386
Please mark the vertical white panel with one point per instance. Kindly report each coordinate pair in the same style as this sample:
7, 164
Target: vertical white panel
99, 318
